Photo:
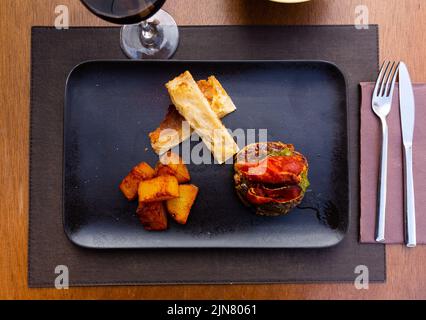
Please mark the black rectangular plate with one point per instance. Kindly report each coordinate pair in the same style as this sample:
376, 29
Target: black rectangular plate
111, 106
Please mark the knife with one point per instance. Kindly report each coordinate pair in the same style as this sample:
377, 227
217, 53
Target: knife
407, 112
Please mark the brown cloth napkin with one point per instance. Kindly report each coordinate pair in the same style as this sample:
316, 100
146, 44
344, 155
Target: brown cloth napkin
370, 155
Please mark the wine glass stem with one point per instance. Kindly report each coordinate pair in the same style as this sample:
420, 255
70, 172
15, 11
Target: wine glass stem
149, 33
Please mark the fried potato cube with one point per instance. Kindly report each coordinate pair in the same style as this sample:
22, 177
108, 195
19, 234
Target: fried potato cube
179, 208
129, 185
171, 164
158, 189
152, 215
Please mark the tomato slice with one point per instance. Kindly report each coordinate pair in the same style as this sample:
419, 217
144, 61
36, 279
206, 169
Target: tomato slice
261, 195
274, 170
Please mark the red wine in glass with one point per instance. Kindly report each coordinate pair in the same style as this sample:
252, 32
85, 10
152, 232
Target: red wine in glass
148, 32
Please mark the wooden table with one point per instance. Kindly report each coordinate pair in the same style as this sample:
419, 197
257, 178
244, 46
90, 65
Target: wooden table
402, 36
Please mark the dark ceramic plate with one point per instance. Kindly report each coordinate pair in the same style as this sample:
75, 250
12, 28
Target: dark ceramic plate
111, 106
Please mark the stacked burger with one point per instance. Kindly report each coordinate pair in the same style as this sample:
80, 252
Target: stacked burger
271, 177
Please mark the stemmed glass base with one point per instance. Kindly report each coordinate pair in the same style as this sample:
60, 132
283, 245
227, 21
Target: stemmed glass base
155, 38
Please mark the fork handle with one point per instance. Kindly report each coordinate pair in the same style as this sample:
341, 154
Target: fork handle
382, 185
410, 210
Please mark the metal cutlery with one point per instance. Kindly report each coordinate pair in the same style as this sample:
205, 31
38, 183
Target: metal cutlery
407, 112
381, 105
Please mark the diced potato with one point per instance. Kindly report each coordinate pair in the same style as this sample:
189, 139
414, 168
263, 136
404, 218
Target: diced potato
144, 170
171, 164
158, 189
152, 216
179, 208
129, 185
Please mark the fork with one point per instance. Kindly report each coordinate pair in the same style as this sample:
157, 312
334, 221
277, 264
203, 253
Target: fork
381, 104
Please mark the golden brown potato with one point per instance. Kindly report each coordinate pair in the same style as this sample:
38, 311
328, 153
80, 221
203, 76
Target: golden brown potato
144, 170
152, 216
158, 189
179, 208
129, 185
171, 164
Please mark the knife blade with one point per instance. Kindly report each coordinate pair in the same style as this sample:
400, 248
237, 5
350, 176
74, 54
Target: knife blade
407, 112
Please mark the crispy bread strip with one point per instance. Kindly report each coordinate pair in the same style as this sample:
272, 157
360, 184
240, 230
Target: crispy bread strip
170, 132
219, 100
194, 107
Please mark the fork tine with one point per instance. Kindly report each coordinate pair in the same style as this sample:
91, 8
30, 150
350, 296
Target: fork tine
389, 80
392, 85
378, 81
386, 77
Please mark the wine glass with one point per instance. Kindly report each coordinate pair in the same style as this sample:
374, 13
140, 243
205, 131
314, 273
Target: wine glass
147, 32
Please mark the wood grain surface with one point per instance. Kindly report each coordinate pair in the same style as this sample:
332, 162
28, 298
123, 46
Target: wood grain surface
402, 37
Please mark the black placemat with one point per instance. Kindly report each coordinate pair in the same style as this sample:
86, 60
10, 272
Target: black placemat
56, 52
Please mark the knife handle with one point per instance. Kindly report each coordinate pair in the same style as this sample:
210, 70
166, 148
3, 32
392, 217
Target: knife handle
410, 210
382, 185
